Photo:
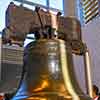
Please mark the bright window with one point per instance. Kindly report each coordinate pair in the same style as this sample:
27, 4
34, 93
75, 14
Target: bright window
3, 6
56, 4
42, 2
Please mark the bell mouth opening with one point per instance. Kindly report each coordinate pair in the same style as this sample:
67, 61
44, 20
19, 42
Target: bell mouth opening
49, 96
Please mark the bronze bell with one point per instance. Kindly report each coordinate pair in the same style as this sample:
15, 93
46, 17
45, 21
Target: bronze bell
49, 72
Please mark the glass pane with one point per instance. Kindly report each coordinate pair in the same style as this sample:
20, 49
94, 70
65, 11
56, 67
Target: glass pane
56, 4
27, 41
3, 7
29, 38
42, 2
29, 6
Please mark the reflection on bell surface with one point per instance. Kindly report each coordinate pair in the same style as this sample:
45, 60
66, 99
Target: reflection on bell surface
49, 72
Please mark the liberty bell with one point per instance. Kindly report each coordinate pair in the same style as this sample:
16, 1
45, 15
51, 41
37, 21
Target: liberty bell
48, 69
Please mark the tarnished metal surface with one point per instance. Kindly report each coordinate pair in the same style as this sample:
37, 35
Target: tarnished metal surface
45, 77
